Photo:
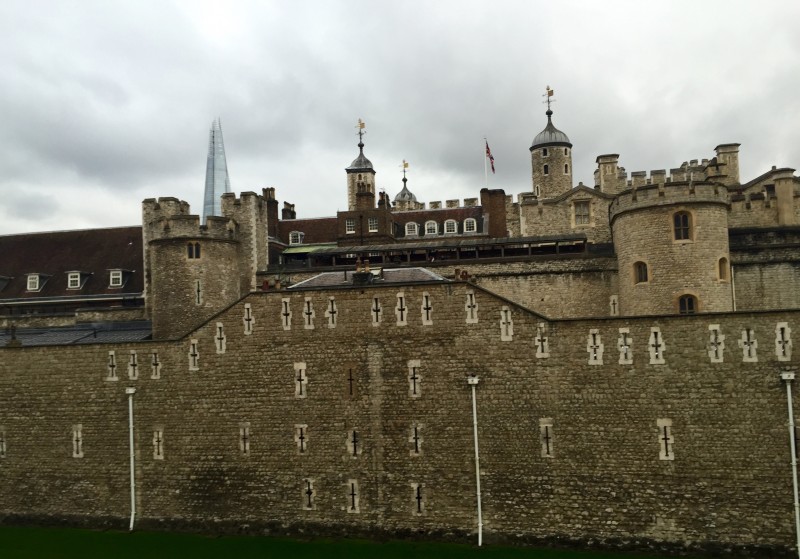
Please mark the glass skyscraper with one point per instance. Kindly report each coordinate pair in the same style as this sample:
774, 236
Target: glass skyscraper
217, 181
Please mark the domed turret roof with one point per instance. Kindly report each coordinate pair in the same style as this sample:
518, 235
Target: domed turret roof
360, 163
405, 195
550, 136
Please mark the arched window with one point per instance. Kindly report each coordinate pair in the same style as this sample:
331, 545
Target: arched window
546, 170
687, 304
470, 225
723, 270
411, 229
450, 226
640, 273
682, 226
431, 228
296, 237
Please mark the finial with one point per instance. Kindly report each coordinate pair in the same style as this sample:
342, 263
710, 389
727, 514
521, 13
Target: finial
404, 166
548, 94
361, 125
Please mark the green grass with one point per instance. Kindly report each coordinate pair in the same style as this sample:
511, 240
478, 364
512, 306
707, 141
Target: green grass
61, 543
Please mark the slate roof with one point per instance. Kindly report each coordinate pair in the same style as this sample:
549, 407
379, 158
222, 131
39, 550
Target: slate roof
382, 277
106, 332
315, 230
54, 254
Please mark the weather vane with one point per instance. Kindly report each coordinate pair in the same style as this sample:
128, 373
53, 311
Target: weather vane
404, 166
548, 94
361, 125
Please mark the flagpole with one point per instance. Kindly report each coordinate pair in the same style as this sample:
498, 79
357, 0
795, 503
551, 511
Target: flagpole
485, 168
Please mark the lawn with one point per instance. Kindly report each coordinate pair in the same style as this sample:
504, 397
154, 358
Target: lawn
47, 543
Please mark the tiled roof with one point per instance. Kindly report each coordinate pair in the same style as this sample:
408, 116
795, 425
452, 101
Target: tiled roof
315, 230
54, 254
439, 215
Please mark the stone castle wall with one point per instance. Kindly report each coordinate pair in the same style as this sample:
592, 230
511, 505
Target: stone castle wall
597, 474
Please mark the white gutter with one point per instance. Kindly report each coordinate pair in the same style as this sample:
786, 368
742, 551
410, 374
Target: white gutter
130, 392
789, 377
473, 382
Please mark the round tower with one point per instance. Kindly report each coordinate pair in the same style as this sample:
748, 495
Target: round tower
551, 161
671, 241
360, 174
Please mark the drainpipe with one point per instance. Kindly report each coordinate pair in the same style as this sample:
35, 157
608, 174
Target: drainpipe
130, 392
733, 287
473, 382
788, 376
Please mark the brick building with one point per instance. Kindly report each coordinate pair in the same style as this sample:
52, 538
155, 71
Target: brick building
627, 348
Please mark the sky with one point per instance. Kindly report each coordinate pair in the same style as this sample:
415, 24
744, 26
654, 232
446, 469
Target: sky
107, 103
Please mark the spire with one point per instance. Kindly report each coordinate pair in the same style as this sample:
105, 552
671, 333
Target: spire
217, 181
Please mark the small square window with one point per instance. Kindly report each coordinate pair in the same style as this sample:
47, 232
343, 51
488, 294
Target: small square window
33, 282
74, 280
296, 238
372, 223
350, 225
115, 278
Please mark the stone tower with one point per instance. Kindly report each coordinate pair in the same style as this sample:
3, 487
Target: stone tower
672, 249
194, 270
360, 174
551, 161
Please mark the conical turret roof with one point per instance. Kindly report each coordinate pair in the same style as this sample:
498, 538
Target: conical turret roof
360, 163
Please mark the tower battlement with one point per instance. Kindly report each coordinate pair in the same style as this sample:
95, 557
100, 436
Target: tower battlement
666, 194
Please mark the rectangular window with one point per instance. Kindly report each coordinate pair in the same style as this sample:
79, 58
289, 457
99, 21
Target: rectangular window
582, 213
158, 443
450, 226
73, 280
350, 225
373, 224
411, 228
295, 238
431, 228
77, 441
115, 278
33, 282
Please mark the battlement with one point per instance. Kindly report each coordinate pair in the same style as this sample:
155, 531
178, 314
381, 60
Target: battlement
189, 227
668, 193
455, 203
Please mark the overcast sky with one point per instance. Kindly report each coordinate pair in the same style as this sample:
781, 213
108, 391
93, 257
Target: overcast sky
107, 103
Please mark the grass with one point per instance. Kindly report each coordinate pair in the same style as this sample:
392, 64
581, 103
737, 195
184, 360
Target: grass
65, 543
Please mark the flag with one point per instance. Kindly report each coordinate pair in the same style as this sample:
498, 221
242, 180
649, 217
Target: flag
490, 156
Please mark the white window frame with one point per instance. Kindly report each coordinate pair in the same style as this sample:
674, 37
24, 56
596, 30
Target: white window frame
33, 282
74, 280
470, 225
450, 224
350, 225
115, 278
431, 228
296, 238
412, 229
372, 224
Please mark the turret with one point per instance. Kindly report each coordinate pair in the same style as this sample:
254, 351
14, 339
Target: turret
551, 159
360, 174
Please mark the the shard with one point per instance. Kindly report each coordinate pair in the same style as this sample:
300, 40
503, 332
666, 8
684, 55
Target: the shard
217, 181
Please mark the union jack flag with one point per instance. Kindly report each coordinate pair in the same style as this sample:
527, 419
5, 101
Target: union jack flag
490, 156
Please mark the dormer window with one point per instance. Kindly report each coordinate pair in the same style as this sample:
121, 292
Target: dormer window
450, 226
115, 278
411, 229
74, 280
470, 225
33, 282
431, 228
296, 237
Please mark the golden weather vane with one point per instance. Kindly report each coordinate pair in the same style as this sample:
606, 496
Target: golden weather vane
404, 167
548, 94
360, 126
